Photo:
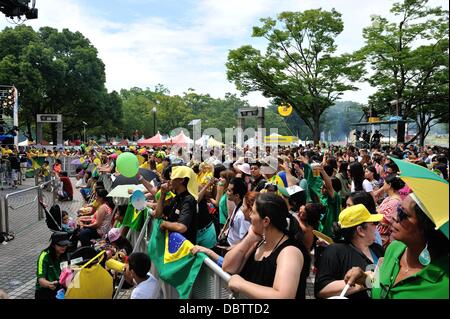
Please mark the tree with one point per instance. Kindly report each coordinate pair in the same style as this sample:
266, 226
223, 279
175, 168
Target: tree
298, 66
409, 59
55, 72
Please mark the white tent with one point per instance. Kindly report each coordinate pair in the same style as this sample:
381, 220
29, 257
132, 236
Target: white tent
251, 142
214, 143
202, 141
23, 143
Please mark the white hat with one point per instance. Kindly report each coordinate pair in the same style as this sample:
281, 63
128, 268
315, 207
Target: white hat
244, 168
269, 165
294, 189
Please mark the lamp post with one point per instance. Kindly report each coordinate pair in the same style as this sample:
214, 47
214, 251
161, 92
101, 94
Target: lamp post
154, 119
84, 131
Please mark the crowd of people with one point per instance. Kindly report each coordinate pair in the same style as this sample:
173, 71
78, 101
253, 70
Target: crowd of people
271, 217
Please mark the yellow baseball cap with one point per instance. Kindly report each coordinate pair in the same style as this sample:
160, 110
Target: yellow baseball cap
356, 215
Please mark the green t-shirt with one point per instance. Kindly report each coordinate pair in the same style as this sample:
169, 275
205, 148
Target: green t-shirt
47, 268
429, 283
223, 209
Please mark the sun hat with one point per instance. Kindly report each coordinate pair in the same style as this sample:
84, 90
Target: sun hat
113, 234
244, 168
356, 215
60, 238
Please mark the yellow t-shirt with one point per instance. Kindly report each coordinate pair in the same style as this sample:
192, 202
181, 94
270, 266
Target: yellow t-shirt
159, 167
145, 165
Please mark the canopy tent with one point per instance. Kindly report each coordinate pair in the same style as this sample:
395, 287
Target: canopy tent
202, 141
214, 143
123, 143
156, 140
251, 142
24, 143
181, 140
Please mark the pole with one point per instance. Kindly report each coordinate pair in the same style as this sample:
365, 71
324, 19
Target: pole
16, 115
154, 122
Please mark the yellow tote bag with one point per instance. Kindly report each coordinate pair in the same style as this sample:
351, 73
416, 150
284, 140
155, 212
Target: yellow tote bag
91, 283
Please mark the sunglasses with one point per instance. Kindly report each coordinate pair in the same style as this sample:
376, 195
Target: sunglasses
401, 214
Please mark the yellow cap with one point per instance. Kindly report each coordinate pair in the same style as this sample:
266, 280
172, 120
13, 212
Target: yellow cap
356, 215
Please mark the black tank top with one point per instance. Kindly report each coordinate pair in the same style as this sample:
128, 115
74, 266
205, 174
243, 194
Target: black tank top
263, 272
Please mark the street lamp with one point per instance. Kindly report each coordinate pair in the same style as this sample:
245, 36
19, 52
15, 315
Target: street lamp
84, 130
154, 119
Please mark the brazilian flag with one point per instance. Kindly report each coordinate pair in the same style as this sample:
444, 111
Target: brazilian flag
314, 183
37, 161
170, 253
134, 219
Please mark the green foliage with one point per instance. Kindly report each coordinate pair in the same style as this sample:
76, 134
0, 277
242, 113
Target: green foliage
409, 59
298, 66
57, 72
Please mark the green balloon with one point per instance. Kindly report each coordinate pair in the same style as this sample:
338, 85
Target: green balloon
127, 164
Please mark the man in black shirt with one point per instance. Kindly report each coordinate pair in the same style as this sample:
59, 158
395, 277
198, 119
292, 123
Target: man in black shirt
358, 229
181, 213
258, 180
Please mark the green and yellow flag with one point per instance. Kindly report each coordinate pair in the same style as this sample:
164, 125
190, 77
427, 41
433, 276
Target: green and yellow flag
37, 161
135, 219
170, 253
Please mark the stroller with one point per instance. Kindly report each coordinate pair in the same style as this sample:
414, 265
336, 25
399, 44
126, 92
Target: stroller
53, 219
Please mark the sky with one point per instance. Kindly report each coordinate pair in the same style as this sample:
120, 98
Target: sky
184, 44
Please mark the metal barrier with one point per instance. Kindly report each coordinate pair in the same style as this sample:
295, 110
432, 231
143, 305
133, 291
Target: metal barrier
68, 166
29, 198
1, 215
66, 163
136, 245
211, 282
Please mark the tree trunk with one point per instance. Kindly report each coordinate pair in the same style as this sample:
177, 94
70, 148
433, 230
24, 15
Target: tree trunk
316, 131
54, 134
401, 132
422, 138
29, 134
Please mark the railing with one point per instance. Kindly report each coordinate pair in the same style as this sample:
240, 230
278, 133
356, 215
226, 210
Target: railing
211, 282
66, 163
136, 245
36, 193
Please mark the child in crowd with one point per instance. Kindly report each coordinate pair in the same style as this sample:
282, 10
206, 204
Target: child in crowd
68, 225
137, 272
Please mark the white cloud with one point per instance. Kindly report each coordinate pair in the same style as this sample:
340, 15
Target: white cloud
191, 52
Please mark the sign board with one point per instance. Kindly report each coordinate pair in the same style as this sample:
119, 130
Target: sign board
49, 118
374, 119
278, 139
250, 112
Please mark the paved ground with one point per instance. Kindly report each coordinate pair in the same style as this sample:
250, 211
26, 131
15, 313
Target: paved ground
18, 257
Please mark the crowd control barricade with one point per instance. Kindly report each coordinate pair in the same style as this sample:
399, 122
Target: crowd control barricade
137, 246
20, 208
211, 282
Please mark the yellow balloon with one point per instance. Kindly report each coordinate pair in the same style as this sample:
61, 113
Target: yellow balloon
81, 160
118, 152
285, 109
97, 161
